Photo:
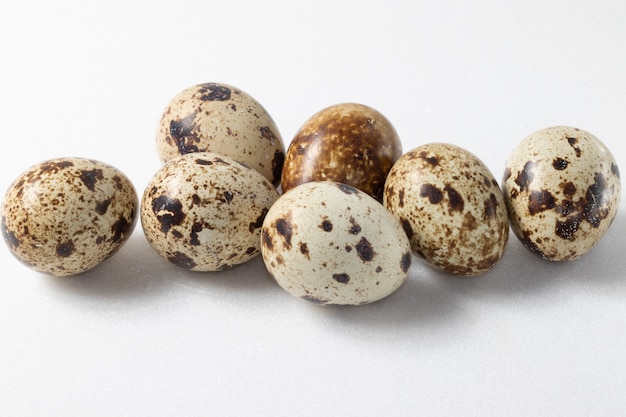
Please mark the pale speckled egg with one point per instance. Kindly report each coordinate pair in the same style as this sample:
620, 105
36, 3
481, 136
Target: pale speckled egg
450, 206
329, 243
562, 189
64, 216
220, 118
204, 211
348, 143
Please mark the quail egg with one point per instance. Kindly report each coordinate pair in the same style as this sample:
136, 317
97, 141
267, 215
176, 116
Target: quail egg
562, 189
64, 216
450, 207
348, 143
222, 119
203, 211
329, 243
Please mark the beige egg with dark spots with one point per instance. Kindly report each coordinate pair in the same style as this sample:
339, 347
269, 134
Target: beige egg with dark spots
65, 216
329, 243
204, 211
220, 118
450, 207
562, 188
348, 143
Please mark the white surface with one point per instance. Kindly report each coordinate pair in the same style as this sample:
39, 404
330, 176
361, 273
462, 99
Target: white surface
137, 336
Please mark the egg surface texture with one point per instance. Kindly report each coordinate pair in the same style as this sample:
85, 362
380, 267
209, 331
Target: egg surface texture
222, 119
330, 243
450, 207
347, 143
65, 216
204, 211
562, 189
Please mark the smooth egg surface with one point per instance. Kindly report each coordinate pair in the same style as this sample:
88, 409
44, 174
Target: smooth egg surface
450, 207
220, 118
329, 243
204, 211
64, 216
348, 143
562, 189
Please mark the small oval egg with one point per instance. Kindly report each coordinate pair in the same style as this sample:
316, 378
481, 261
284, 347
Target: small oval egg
64, 216
329, 243
204, 211
220, 118
562, 189
347, 143
450, 207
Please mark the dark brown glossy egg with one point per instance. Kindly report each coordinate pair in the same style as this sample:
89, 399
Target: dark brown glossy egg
347, 143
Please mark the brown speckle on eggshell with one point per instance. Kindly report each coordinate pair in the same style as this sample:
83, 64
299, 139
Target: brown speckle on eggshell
64, 216
204, 211
562, 189
348, 143
220, 118
329, 243
450, 207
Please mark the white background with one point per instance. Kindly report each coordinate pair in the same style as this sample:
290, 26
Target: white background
136, 336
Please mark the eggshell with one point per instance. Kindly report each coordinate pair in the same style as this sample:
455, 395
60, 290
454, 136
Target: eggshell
330, 243
204, 211
450, 207
347, 143
222, 119
562, 189
64, 216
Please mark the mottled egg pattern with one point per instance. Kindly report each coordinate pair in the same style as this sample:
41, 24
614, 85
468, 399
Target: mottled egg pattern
329, 243
204, 211
65, 216
450, 207
562, 189
222, 119
348, 143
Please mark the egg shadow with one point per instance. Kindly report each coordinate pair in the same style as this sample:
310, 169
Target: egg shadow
248, 279
521, 273
431, 300
132, 272
420, 304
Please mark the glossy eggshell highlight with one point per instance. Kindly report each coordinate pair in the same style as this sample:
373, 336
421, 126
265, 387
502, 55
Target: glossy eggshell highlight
64, 216
329, 243
562, 188
347, 143
204, 211
220, 118
450, 207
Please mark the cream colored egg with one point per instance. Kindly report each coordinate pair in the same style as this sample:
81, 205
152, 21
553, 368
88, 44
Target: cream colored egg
450, 206
562, 188
222, 119
64, 216
204, 211
330, 243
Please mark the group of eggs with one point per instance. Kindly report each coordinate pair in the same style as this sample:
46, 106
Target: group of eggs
353, 207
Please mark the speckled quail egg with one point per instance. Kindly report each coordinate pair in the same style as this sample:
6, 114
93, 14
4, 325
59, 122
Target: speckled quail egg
562, 189
222, 119
204, 211
450, 207
329, 243
65, 216
348, 143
